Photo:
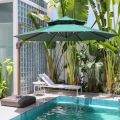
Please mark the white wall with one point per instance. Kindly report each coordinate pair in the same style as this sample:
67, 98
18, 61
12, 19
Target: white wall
6, 41
6, 12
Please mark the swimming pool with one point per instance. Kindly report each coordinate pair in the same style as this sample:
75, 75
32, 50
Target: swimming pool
74, 108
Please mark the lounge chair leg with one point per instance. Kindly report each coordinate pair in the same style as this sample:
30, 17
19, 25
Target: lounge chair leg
81, 90
77, 92
44, 90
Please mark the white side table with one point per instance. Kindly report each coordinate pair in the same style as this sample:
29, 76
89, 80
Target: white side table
39, 87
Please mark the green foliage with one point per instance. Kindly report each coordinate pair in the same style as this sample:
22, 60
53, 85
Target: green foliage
6, 69
106, 19
92, 66
72, 61
74, 8
33, 15
3, 88
116, 87
34, 20
109, 46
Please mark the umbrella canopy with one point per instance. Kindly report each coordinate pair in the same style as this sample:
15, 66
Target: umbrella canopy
65, 29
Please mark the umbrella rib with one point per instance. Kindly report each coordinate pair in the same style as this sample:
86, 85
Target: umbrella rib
53, 36
62, 35
66, 35
34, 36
78, 36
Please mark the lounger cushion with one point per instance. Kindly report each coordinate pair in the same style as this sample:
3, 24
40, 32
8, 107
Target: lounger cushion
19, 102
26, 101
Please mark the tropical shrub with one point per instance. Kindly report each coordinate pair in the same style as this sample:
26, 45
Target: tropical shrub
6, 69
116, 87
107, 14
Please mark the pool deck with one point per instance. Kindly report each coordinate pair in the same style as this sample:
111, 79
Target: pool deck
7, 113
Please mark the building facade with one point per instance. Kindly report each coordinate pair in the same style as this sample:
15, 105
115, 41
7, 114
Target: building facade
32, 54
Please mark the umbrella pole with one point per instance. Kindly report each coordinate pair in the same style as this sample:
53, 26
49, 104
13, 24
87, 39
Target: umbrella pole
18, 71
18, 46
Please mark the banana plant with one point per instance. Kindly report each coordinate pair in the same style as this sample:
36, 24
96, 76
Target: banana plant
107, 17
71, 62
64, 9
78, 10
55, 66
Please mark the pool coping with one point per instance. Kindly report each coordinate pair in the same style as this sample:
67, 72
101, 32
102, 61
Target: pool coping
11, 112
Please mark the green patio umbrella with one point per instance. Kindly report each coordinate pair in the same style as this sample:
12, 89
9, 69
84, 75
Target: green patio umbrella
65, 29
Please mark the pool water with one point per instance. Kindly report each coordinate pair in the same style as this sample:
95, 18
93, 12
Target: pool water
73, 108
74, 112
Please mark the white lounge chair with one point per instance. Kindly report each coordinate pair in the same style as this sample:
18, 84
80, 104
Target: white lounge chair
51, 84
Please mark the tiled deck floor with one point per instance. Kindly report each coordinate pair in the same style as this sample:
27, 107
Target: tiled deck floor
6, 113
